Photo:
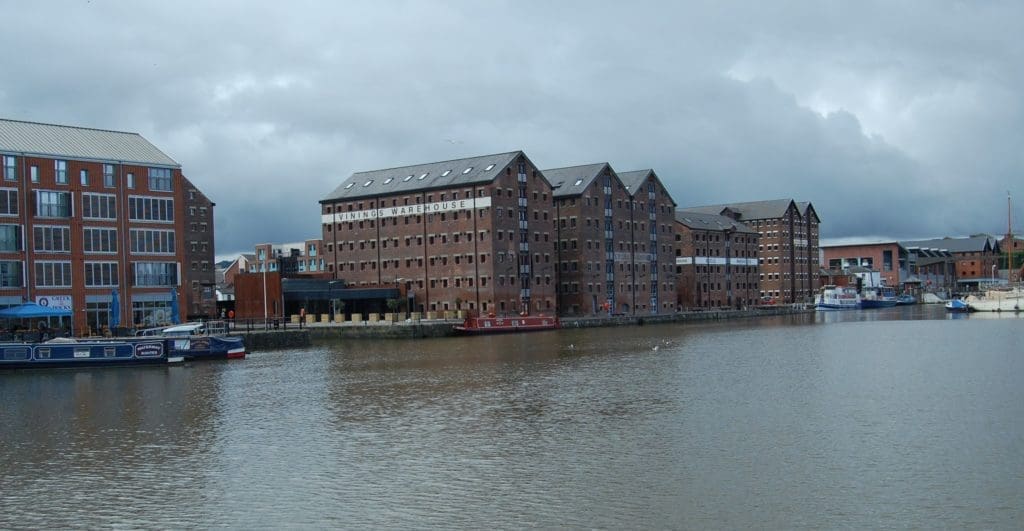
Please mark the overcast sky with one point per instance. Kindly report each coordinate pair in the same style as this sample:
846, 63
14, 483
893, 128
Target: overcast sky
897, 120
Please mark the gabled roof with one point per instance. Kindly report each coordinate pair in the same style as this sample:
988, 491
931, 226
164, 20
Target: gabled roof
633, 180
79, 143
806, 208
973, 244
771, 209
701, 221
418, 177
572, 180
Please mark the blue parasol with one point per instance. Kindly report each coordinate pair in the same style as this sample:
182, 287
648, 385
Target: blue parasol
115, 309
174, 306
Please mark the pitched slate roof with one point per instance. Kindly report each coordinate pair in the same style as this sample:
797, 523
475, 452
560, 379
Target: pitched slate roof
775, 208
701, 221
973, 244
572, 180
79, 143
405, 179
632, 180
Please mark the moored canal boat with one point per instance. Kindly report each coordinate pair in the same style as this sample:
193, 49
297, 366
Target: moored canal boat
837, 298
207, 340
71, 352
500, 325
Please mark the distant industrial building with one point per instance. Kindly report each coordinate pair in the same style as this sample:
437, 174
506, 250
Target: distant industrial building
87, 215
788, 247
716, 262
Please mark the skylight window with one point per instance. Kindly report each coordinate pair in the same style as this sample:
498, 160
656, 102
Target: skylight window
446, 172
349, 185
578, 182
388, 180
467, 170
367, 183
407, 178
424, 176
489, 168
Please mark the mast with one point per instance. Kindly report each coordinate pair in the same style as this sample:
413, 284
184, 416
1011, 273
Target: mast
1009, 239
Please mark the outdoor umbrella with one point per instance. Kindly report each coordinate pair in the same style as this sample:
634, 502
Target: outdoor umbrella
174, 307
115, 309
30, 310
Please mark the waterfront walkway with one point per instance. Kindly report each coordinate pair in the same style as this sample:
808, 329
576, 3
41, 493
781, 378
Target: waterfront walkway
279, 334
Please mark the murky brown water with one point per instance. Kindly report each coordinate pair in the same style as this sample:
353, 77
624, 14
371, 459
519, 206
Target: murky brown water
844, 420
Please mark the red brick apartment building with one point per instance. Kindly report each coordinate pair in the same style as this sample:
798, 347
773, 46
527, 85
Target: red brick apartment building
87, 213
788, 247
889, 259
474, 234
716, 262
976, 258
603, 254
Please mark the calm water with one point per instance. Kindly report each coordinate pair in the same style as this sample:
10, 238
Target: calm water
893, 418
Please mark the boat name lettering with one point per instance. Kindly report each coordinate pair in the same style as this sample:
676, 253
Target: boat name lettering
149, 350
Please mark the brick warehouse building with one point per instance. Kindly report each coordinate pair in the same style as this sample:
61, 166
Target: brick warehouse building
716, 262
788, 248
614, 247
653, 221
87, 213
473, 234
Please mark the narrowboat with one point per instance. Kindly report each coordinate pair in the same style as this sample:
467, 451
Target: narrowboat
500, 325
71, 352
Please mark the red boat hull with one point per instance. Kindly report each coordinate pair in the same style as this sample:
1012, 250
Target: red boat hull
507, 325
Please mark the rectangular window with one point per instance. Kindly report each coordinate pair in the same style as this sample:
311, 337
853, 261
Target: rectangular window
130, 177
99, 206
108, 175
155, 274
99, 240
10, 238
160, 179
11, 274
152, 241
34, 173
150, 209
53, 274
84, 176
53, 204
60, 170
8, 202
101, 274
10, 168
51, 239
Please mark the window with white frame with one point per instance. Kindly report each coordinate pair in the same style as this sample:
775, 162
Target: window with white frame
53, 274
53, 204
99, 206
10, 168
152, 241
148, 274
150, 208
108, 175
160, 179
8, 202
83, 175
99, 240
101, 274
49, 239
60, 171
10, 238
11, 275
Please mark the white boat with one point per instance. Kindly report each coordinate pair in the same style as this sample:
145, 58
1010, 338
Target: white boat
1005, 299
838, 298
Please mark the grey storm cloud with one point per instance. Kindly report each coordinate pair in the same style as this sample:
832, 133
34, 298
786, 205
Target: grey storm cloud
897, 120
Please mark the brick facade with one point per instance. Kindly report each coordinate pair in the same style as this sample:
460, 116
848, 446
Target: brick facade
716, 262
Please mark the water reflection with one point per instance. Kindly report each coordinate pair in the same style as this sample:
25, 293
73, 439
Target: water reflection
845, 419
